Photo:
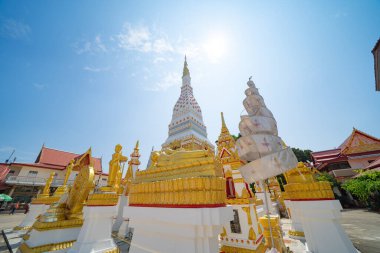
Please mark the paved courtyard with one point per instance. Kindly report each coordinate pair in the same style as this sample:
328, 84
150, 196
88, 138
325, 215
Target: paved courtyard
363, 228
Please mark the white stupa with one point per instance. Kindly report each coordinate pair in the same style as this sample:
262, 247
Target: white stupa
187, 124
260, 144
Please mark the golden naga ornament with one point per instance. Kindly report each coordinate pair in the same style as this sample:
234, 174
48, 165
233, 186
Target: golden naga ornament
67, 212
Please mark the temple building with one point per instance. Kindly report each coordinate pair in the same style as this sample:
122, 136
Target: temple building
359, 151
25, 180
186, 128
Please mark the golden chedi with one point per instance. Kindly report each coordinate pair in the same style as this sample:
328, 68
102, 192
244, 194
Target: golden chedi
302, 185
179, 178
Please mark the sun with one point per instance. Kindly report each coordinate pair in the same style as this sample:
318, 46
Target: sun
215, 47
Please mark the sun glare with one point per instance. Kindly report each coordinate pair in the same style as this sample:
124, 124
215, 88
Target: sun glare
215, 47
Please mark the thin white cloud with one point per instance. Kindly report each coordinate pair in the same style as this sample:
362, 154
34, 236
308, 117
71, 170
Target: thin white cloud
39, 86
93, 69
91, 46
161, 59
14, 29
140, 38
6, 149
169, 80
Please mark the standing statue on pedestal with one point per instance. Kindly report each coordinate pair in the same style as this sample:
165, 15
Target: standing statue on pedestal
115, 172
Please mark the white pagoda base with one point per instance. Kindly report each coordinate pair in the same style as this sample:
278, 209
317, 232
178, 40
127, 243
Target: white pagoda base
123, 202
185, 230
30, 218
95, 235
49, 237
296, 229
323, 231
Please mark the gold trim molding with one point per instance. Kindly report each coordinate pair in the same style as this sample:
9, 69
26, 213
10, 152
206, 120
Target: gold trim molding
24, 248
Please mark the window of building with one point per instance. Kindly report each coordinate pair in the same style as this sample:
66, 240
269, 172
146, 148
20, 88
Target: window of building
11, 172
32, 173
104, 179
235, 223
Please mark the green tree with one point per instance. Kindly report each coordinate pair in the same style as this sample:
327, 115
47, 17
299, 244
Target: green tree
302, 155
236, 137
324, 176
366, 188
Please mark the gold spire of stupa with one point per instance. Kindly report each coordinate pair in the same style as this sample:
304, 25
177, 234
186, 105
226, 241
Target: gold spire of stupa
185, 69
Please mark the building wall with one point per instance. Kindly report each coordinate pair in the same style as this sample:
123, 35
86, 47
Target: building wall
41, 172
361, 163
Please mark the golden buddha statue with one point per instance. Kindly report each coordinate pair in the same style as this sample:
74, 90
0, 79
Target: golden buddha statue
115, 168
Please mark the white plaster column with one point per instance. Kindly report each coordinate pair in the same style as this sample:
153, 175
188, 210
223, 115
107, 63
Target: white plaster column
30, 218
185, 230
95, 235
321, 223
123, 202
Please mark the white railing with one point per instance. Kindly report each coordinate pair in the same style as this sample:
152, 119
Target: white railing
59, 182
20, 180
39, 181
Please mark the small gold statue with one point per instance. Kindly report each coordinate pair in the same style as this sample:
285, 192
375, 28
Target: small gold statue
46, 190
69, 168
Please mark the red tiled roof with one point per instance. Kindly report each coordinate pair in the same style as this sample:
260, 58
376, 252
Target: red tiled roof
374, 164
4, 169
58, 160
323, 156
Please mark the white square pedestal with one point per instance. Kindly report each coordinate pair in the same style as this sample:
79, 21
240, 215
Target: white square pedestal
185, 230
323, 231
95, 235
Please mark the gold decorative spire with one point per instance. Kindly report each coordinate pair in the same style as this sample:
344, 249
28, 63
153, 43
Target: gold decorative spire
227, 142
224, 127
185, 69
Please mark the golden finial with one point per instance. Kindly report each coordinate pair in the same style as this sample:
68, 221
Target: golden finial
223, 122
137, 144
185, 69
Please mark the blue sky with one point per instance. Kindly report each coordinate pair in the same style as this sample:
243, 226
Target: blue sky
96, 73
